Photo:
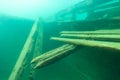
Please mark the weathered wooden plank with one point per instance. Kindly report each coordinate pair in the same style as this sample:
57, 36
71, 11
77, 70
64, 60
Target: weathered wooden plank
91, 43
99, 37
23, 53
107, 5
115, 31
52, 56
37, 49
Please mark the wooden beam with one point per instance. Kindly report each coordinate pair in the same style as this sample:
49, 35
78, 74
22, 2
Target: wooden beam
37, 49
91, 43
107, 5
111, 37
24, 52
52, 56
115, 31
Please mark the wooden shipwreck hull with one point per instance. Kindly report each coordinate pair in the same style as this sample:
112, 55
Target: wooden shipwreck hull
83, 54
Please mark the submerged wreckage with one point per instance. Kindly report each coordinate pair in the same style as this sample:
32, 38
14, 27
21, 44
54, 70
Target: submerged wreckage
94, 45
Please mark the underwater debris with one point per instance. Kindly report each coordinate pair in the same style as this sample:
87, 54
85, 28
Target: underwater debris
115, 31
25, 51
60, 52
52, 56
90, 36
91, 43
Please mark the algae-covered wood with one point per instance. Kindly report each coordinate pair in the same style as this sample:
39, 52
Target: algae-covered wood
111, 37
52, 56
114, 31
91, 43
14, 74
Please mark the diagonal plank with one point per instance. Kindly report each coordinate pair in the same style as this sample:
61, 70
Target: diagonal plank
24, 52
52, 56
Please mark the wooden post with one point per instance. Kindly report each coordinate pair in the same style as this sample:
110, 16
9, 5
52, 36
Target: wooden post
14, 74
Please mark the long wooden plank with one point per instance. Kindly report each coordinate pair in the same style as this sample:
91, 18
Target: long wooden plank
52, 56
23, 53
106, 5
47, 54
37, 49
89, 36
116, 31
92, 43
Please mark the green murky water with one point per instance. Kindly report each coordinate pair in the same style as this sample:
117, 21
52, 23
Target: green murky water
87, 63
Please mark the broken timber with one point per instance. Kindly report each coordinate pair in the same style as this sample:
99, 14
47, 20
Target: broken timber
14, 74
52, 56
91, 43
